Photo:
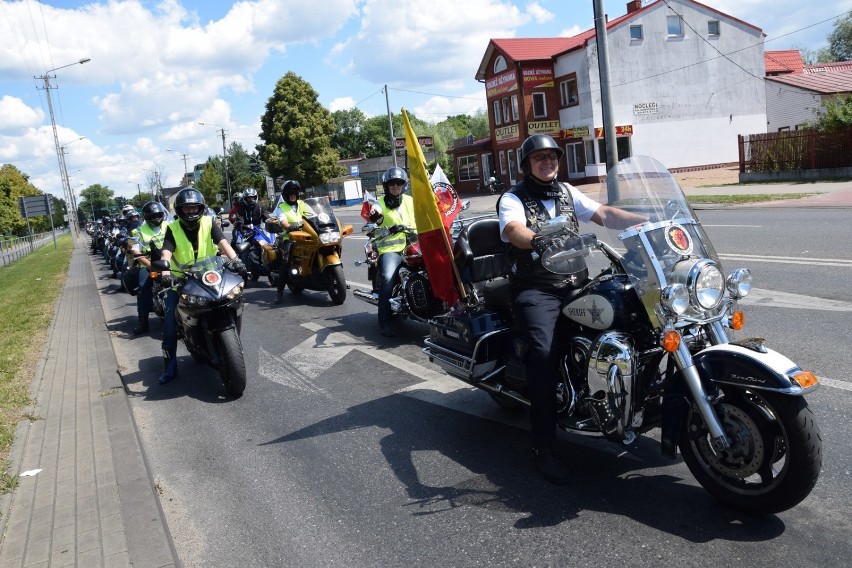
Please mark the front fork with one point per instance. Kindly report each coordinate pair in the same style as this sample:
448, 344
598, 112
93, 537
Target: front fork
683, 359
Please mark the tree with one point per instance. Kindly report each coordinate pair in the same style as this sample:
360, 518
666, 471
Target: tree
348, 138
97, 198
210, 183
140, 199
834, 114
840, 39
296, 131
15, 184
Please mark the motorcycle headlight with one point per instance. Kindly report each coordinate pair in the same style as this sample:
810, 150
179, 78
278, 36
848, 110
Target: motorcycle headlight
238, 289
193, 300
708, 285
330, 237
739, 283
675, 299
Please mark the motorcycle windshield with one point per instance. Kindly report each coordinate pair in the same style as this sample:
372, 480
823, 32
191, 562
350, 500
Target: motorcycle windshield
671, 247
202, 265
319, 214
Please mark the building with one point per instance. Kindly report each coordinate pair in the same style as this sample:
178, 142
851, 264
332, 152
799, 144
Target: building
795, 98
685, 80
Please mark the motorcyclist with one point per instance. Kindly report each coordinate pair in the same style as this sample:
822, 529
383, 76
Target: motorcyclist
290, 214
394, 210
191, 236
250, 210
145, 240
537, 294
235, 206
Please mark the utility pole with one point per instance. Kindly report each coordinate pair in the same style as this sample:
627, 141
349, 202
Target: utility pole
224, 157
66, 187
606, 92
390, 127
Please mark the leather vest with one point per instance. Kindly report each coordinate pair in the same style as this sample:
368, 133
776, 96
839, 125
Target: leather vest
526, 269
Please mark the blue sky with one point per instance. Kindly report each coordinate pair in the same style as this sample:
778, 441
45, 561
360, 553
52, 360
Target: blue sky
157, 69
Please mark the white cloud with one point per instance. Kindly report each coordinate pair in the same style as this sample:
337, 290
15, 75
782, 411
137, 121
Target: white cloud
437, 108
539, 14
16, 116
341, 103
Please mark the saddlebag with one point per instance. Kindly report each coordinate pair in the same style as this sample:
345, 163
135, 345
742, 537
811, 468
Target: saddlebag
468, 344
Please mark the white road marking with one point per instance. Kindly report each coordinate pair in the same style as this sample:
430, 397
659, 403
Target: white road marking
776, 299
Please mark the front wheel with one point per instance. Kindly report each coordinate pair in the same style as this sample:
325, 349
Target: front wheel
336, 284
775, 456
233, 365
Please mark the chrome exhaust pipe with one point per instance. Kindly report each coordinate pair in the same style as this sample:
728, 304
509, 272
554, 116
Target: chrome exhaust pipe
369, 297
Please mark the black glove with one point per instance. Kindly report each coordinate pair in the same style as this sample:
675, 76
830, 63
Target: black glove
540, 243
377, 217
295, 227
236, 265
167, 280
396, 228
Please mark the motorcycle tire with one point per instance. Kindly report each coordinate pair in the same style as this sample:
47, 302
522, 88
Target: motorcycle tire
233, 368
295, 288
776, 457
336, 284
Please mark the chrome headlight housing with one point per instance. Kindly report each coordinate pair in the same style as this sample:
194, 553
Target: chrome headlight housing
238, 289
704, 282
330, 237
675, 299
739, 283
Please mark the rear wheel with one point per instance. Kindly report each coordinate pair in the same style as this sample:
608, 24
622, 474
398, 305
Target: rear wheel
775, 456
233, 365
336, 284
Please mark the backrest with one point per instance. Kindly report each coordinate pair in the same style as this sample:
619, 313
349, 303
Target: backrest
480, 252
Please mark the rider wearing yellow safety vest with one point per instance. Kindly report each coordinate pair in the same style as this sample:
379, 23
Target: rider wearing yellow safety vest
191, 237
152, 231
395, 211
289, 213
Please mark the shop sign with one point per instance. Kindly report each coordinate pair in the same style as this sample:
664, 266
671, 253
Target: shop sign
425, 141
502, 83
626, 130
506, 134
645, 108
538, 77
543, 127
576, 132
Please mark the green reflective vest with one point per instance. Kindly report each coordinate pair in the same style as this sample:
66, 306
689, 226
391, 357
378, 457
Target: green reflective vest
292, 214
185, 254
145, 233
402, 215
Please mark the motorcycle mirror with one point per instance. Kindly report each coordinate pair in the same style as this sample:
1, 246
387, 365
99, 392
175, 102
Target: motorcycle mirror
160, 265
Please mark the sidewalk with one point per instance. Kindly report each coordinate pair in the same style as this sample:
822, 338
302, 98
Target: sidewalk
93, 502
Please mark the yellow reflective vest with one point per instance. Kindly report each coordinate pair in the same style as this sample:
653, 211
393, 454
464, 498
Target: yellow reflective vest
402, 215
144, 234
292, 214
185, 254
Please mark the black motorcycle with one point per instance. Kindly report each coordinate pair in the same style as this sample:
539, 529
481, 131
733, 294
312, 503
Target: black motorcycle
646, 345
209, 316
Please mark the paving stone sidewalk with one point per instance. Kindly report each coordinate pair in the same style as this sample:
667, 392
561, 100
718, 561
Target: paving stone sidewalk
93, 502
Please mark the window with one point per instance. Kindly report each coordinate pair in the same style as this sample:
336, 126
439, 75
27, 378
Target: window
506, 114
675, 26
500, 64
511, 165
515, 114
713, 27
576, 158
590, 152
784, 129
636, 32
568, 92
497, 113
468, 168
502, 156
539, 105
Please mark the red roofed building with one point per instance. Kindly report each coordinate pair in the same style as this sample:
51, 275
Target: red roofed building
783, 62
674, 96
795, 99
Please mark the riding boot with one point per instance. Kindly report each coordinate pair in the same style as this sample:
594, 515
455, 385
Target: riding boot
169, 366
279, 295
142, 325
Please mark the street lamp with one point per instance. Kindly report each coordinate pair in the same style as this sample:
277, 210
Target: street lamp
224, 156
59, 156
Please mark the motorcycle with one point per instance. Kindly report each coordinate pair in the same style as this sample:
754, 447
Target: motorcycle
260, 242
494, 185
647, 346
209, 316
313, 261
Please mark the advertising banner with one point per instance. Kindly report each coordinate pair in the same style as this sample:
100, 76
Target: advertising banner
540, 76
502, 83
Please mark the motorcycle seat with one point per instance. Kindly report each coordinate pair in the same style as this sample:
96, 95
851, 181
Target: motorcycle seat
497, 295
479, 252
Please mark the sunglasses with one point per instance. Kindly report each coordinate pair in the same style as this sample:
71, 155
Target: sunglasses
542, 157
396, 182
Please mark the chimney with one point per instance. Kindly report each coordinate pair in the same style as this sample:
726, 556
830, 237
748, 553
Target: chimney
633, 5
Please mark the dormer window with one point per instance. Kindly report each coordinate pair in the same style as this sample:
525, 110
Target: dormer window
500, 64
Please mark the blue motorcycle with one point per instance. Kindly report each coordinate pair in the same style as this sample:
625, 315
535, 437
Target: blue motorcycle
260, 252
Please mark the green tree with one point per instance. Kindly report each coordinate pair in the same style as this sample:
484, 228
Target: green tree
210, 183
840, 39
140, 199
348, 138
15, 184
296, 130
97, 198
834, 114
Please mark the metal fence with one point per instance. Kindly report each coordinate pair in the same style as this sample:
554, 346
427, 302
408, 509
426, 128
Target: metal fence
795, 150
13, 249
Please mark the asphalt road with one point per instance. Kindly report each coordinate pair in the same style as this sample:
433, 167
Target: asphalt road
351, 449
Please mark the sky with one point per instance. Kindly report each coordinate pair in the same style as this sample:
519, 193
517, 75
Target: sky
159, 68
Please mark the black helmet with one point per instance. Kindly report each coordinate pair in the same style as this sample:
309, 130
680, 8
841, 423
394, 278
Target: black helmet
153, 212
535, 143
290, 188
189, 196
250, 197
393, 174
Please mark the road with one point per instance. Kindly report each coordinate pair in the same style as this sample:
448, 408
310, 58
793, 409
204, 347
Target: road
351, 449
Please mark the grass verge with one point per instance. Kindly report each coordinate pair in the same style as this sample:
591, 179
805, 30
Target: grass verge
754, 198
29, 288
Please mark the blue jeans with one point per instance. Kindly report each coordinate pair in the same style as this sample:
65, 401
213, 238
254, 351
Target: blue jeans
170, 321
144, 294
386, 270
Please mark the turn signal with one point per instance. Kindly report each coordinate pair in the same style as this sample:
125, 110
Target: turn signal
805, 379
671, 341
737, 320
